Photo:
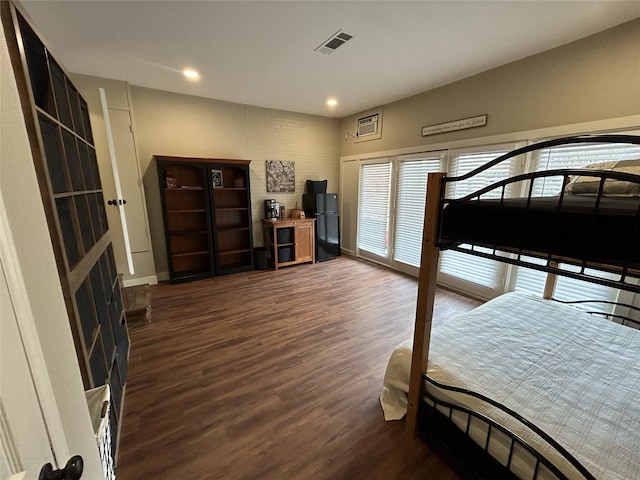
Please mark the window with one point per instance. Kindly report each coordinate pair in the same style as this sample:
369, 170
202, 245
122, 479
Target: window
410, 203
462, 163
455, 266
392, 194
373, 209
570, 156
567, 289
575, 156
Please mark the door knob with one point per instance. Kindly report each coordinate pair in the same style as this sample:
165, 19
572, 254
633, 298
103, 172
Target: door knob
71, 471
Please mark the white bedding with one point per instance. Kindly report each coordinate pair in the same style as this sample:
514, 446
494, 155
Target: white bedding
574, 375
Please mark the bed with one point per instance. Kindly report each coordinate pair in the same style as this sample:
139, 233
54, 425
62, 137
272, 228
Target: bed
574, 216
514, 348
527, 387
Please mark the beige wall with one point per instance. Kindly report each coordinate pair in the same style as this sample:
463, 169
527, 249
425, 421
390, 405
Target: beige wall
591, 79
118, 104
587, 82
182, 125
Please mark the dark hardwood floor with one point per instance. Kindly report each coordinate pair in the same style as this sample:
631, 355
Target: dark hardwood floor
274, 375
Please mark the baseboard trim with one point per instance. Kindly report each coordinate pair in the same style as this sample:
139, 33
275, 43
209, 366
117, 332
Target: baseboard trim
132, 282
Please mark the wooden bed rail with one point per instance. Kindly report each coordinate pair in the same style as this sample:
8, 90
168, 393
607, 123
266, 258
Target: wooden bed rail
426, 295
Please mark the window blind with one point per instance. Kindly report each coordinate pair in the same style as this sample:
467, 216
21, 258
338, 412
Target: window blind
477, 270
567, 289
481, 271
571, 156
575, 156
410, 204
461, 164
373, 208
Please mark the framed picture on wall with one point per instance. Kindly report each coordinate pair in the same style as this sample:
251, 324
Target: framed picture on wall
216, 178
281, 176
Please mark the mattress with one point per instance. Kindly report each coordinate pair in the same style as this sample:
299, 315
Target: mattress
611, 236
574, 375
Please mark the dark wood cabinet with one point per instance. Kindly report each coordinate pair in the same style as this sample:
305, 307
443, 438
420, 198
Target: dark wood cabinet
231, 213
64, 156
206, 205
187, 218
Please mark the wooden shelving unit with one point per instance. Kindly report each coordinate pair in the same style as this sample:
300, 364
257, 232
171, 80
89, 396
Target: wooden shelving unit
187, 222
207, 216
231, 208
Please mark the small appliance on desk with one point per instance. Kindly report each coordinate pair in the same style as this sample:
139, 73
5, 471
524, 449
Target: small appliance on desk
271, 209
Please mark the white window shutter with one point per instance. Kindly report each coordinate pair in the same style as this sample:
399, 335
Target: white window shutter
576, 155
410, 204
476, 270
571, 156
373, 208
567, 289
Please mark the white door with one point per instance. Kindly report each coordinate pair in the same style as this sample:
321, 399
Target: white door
127, 221
116, 201
31, 431
23, 432
129, 179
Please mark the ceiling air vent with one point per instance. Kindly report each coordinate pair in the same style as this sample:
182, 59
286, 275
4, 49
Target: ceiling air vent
336, 40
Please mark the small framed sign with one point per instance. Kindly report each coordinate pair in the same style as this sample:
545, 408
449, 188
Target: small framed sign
216, 178
472, 122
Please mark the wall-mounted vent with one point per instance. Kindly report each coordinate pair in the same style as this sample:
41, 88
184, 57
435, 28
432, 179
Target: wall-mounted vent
367, 126
336, 40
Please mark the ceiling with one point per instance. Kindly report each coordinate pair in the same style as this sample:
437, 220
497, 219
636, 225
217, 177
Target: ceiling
262, 52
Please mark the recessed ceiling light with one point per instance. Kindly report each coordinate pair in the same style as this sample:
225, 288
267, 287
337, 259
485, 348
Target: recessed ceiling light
332, 102
190, 73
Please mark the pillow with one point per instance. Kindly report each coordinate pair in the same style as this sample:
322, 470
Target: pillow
584, 185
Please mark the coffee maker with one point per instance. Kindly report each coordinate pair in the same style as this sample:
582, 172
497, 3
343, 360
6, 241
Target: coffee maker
271, 209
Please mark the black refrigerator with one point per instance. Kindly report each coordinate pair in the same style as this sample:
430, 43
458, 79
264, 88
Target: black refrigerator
324, 208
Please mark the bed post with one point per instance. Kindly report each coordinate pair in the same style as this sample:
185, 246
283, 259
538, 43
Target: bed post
550, 283
424, 307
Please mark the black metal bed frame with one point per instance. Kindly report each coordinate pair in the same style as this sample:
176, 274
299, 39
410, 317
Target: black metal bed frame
439, 431
622, 319
436, 427
629, 277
